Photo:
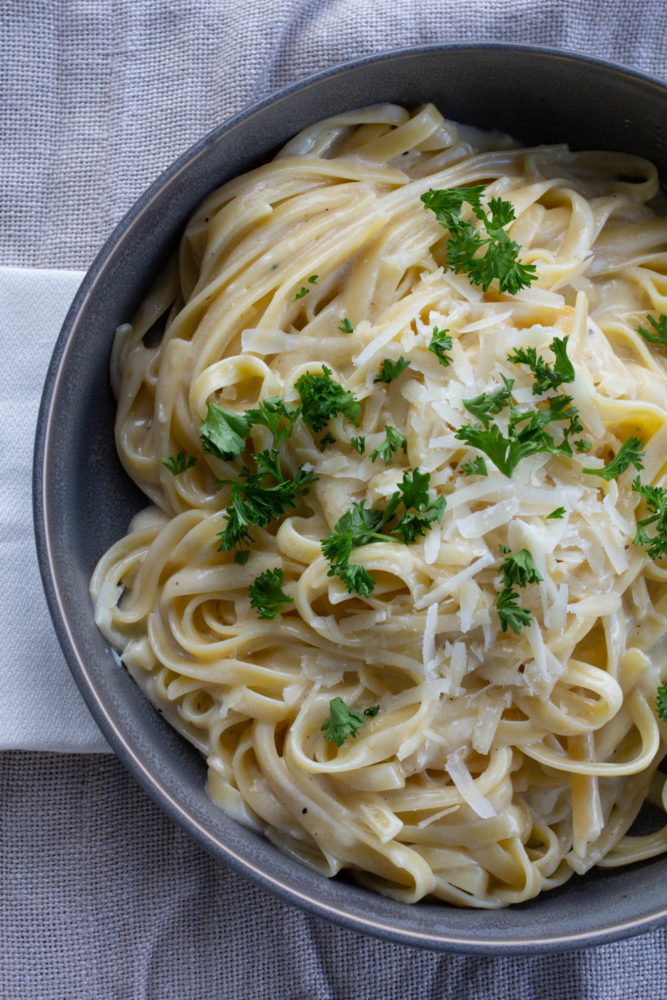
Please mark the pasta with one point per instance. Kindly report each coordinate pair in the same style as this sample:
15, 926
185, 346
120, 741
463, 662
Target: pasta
497, 666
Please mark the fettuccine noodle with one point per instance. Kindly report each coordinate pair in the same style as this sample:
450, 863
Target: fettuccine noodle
498, 762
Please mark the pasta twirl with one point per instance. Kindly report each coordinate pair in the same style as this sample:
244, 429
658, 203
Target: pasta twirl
493, 761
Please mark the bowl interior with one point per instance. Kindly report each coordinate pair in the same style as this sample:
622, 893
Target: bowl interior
84, 501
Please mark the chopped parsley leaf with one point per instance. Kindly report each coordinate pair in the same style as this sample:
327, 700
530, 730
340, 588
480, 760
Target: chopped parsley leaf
390, 370
178, 464
303, 290
661, 701
631, 452
656, 502
346, 326
510, 614
359, 444
361, 525
323, 398
556, 514
519, 569
393, 441
266, 594
440, 343
475, 468
500, 259
241, 556
223, 433
255, 501
660, 328
343, 721
546, 376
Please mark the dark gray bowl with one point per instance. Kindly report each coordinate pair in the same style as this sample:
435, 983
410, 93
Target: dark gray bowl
83, 501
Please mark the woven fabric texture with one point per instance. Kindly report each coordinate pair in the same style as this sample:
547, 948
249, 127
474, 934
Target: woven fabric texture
101, 96
100, 895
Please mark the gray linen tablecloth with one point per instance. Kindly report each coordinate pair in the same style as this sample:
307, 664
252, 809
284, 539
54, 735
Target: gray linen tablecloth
101, 896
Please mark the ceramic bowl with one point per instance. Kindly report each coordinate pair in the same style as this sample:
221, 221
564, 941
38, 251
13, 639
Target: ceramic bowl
84, 501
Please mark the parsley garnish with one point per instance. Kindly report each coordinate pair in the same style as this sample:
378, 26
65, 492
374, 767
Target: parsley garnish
487, 404
346, 326
656, 501
323, 398
509, 612
526, 434
178, 464
660, 327
241, 556
225, 434
440, 343
546, 376
500, 259
661, 701
256, 501
475, 468
326, 441
361, 525
303, 290
631, 452
359, 444
261, 497
266, 594
556, 514
393, 441
518, 570
390, 370
343, 721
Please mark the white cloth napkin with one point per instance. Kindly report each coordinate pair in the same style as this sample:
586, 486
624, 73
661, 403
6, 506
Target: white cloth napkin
40, 705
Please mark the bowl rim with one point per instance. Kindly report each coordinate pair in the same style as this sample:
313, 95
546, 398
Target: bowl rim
117, 739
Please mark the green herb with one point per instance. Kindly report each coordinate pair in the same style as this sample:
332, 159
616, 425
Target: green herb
500, 258
361, 526
660, 327
656, 501
546, 376
303, 290
390, 370
223, 433
241, 556
266, 594
631, 452
256, 501
276, 415
393, 441
178, 464
583, 446
325, 441
440, 343
556, 514
359, 444
358, 526
323, 398
346, 326
487, 404
661, 701
510, 614
475, 468
526, 435
343, 721
519, 569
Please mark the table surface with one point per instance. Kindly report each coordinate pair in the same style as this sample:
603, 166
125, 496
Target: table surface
102, 896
